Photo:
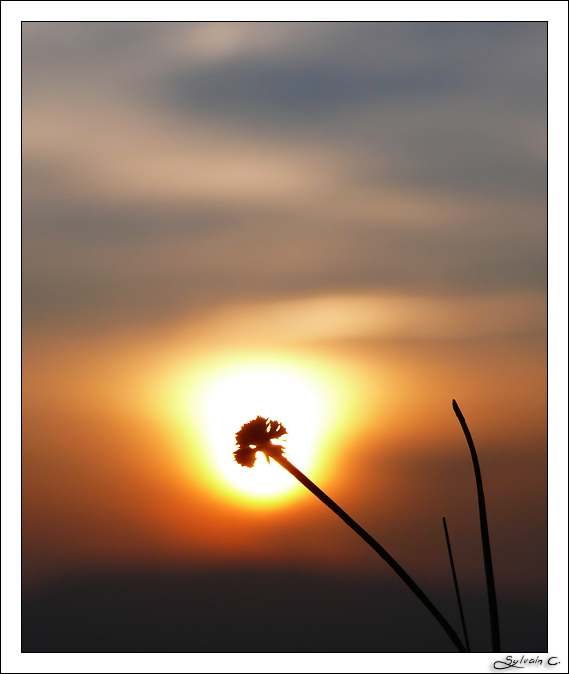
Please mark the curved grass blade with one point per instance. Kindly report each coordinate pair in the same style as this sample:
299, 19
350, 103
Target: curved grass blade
489, 572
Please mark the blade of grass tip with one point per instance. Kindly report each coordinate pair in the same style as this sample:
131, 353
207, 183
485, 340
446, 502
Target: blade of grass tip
489, 572
455, 581
301, 477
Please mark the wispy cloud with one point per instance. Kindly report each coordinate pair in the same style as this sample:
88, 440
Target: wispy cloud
379, 316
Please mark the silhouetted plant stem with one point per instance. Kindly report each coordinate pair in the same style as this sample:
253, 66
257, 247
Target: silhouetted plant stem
405, 577
490, 586
455, 580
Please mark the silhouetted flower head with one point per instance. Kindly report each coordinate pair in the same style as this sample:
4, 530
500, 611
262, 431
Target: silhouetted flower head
256, 436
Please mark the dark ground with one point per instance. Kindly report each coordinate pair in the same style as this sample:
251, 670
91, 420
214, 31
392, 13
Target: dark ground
259, 611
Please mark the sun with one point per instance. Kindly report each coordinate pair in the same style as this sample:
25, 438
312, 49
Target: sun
237, 397
227, 395
208, 399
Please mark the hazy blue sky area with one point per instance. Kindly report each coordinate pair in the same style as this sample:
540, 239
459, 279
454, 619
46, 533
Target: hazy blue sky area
172, 167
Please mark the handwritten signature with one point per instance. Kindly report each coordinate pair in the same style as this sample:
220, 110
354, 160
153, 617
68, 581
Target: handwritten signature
523, 661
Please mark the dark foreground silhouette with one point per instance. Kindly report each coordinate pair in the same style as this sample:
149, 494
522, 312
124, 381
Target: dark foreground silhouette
258, 435
259, 611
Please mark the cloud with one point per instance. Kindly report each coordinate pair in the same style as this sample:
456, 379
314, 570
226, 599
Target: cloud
279, 93
169, 167
380, 316
295, 70
107, 263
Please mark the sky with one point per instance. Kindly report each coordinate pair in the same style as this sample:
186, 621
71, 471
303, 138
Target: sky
339, 225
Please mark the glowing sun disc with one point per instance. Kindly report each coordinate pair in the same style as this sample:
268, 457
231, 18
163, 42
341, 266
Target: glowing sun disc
237, 397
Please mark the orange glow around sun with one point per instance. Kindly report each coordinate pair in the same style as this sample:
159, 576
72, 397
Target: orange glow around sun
225, 395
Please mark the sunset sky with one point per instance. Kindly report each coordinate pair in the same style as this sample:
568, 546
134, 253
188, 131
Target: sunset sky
341, 226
